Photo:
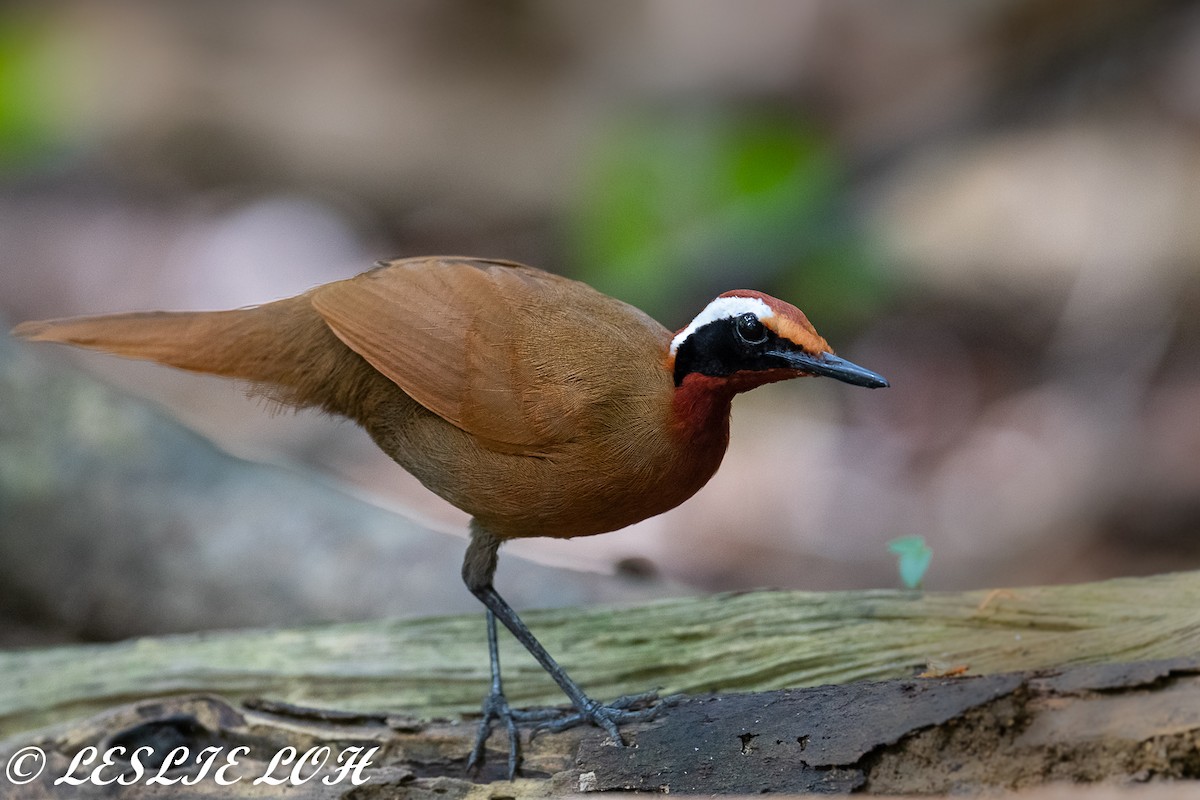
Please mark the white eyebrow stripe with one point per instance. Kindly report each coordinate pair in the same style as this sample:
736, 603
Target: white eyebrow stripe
723, 308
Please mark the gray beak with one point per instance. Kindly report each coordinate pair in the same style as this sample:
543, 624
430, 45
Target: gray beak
830, 366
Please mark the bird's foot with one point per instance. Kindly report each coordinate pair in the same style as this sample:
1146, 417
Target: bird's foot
625, 709
496, 709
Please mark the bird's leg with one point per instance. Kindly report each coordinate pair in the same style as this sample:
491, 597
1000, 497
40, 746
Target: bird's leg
497, 709
479, 567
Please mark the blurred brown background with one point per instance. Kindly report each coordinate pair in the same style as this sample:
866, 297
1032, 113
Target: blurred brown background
991, 203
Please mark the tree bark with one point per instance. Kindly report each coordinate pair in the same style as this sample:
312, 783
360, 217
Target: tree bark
940, 692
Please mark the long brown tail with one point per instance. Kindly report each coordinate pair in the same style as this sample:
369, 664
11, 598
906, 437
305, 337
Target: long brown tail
284, 348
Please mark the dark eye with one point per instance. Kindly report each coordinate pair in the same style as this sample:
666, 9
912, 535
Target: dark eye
750, 329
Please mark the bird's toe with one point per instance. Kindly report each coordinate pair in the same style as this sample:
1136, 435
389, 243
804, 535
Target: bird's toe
621, 711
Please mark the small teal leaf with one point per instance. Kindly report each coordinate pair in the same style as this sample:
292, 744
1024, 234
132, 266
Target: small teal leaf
913, 557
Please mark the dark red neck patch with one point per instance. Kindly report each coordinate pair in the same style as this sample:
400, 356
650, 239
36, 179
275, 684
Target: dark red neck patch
702, 401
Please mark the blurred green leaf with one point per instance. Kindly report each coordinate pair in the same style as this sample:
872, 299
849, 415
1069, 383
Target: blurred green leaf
913, 557
31, 93
719, 201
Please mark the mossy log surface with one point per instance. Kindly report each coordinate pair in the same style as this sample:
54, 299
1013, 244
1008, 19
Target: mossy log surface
1012, 689
750, 642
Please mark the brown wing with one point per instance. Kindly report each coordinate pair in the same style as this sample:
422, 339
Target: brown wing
453, 334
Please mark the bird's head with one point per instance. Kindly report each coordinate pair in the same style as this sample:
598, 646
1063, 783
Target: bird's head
744, 339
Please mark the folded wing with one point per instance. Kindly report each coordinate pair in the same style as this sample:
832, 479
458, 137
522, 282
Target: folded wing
443, 332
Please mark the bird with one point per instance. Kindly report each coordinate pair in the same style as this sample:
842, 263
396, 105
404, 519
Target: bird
535, 403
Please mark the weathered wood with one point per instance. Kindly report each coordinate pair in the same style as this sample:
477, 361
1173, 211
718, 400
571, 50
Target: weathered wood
1132, 722
745, 642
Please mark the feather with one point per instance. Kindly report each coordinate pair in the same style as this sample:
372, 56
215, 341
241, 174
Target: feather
490, 346
283, 349
534, 403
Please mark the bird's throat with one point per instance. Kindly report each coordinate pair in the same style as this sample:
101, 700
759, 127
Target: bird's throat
701, 406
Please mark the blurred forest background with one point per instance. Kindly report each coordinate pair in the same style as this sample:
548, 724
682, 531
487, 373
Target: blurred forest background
993, 203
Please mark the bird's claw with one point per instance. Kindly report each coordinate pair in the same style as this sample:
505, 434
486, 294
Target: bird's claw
496, 709
622, 710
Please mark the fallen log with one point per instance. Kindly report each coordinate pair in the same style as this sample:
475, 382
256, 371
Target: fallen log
937, 692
